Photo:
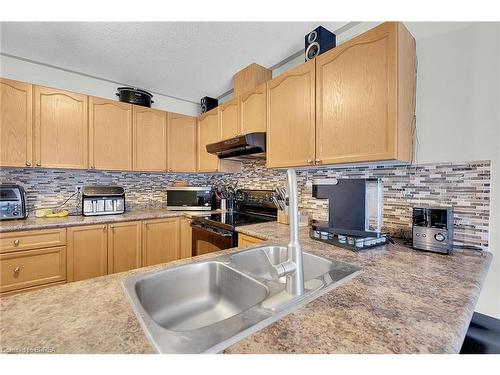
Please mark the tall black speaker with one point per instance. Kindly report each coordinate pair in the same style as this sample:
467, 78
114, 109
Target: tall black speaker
208, 103
318, 41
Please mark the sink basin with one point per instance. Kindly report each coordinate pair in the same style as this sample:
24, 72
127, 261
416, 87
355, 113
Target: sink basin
197, 295
207, 306
259, 262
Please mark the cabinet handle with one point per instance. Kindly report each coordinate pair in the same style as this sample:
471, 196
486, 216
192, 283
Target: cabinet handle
28, 164
16, 242
38, 164
17, 270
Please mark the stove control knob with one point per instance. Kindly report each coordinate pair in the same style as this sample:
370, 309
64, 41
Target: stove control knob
439, 237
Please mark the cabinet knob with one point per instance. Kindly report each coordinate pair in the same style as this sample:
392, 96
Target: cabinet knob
16, 242
145, 223
104, 227
92, 166
28, 164
38, 164
310, 161
16, 270
318, 161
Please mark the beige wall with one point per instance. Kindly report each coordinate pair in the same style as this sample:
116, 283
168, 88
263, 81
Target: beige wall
47, 76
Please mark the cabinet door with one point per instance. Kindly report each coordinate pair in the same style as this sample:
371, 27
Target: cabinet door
124, 246
87, 252
61, 129
208, 132
356, 99
186, 238
253, 110
245, 240
291, 118
229, 119
160, 241
16, 123
182, 147
150, 139
110, 129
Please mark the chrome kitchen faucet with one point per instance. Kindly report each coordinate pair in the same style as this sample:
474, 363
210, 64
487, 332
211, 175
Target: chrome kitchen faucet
292, 268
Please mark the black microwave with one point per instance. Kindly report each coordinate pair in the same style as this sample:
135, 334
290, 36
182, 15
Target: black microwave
189, 198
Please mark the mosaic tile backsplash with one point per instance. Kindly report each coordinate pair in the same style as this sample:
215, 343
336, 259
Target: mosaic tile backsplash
464, 186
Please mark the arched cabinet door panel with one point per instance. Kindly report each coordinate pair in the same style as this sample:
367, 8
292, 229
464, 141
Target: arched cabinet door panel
61, 128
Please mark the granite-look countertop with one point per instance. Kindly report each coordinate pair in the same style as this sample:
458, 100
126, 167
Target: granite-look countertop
403, 302
34, 223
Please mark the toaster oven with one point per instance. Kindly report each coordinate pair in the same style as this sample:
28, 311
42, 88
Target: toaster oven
12, 202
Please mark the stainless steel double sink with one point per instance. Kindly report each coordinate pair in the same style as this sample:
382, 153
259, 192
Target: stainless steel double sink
207, 306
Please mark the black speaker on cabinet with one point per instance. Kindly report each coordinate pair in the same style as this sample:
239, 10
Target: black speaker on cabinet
208, 103
318, 41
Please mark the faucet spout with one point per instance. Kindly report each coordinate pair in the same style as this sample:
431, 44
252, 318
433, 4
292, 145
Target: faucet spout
295, 277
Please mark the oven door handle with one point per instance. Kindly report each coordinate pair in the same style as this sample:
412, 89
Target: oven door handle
208, 229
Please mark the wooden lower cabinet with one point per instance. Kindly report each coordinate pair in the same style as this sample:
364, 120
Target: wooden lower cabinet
30, 268
124, 246
245, 240
87, 252
186, 238
160, 243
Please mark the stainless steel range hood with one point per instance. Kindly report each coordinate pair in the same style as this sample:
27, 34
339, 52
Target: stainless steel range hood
243, 147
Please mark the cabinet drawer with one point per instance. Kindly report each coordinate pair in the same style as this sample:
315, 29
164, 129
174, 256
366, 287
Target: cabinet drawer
15, 241
23, 269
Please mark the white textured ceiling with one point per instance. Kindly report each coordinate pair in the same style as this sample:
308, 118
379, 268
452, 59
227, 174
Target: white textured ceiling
183, 59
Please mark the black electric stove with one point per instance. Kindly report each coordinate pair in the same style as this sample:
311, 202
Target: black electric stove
218, 231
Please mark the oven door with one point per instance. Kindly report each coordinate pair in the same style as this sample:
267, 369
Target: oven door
207, 239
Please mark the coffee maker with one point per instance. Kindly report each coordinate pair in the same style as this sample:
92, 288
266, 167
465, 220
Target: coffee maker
433, 229
354, 212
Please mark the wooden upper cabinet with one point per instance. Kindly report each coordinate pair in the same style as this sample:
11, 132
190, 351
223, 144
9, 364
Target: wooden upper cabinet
16, 126
291, 117
160, 241
87, 252
150, 139
110, 129
182, 145
208, 132
229, 119
124, 246
61, 128
253, 110
365, 97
